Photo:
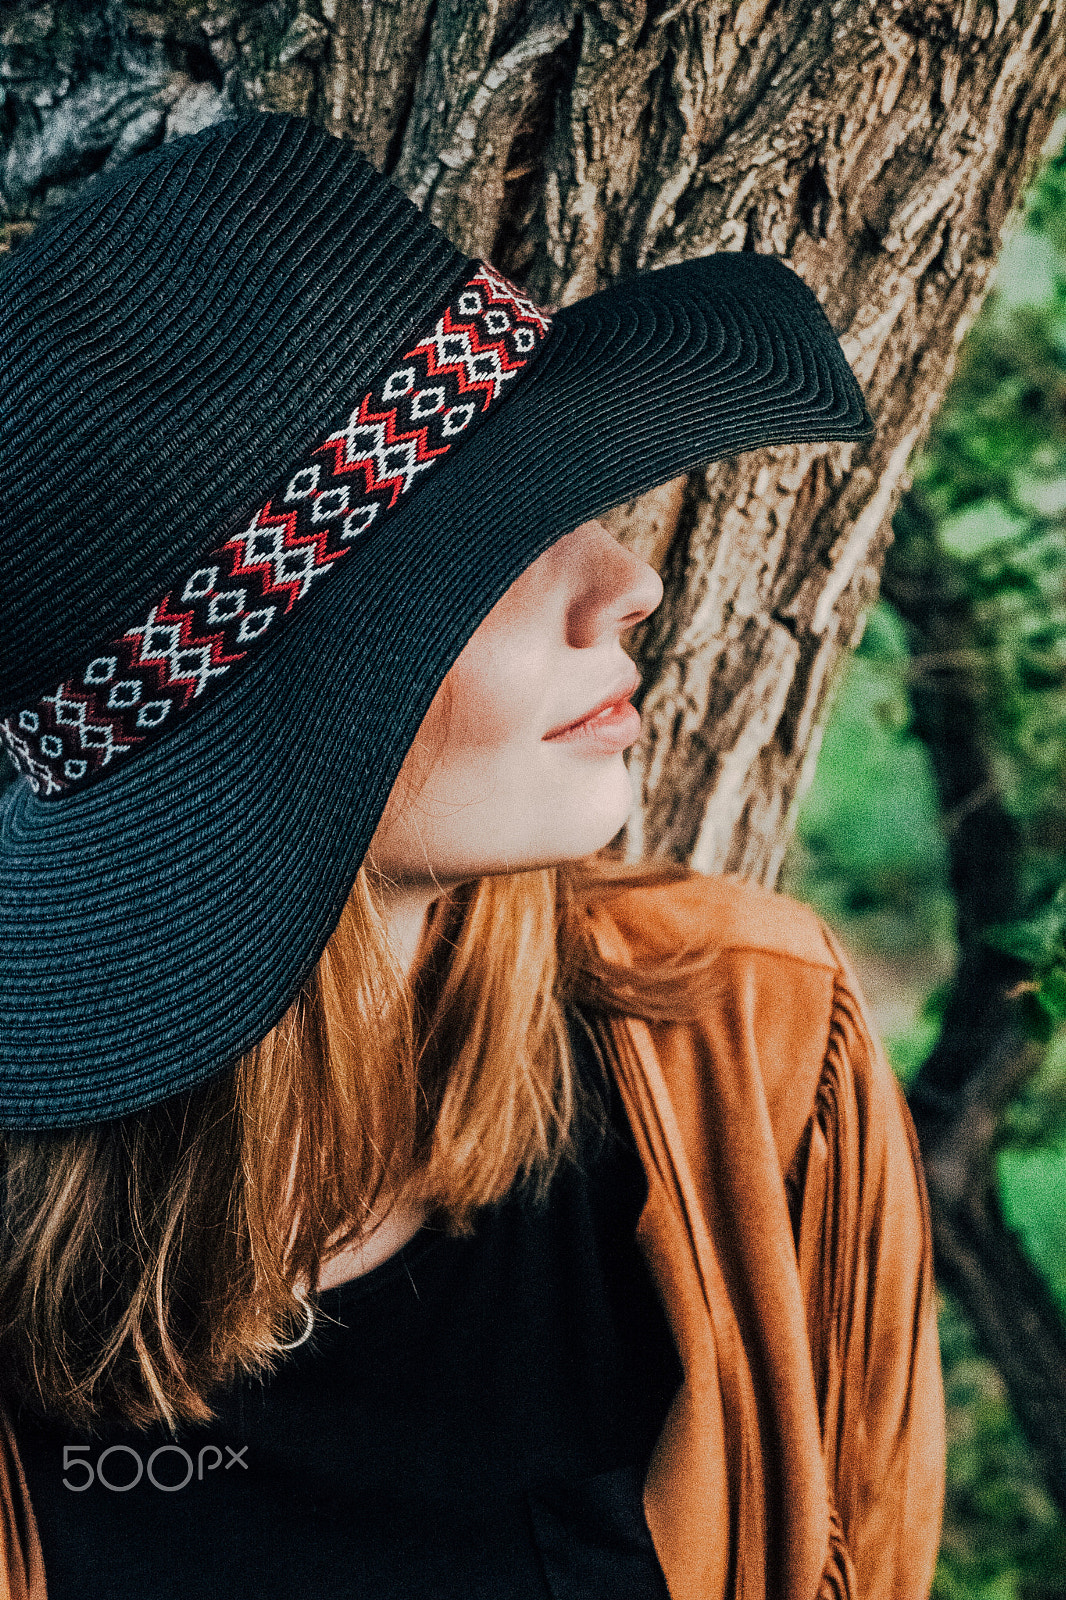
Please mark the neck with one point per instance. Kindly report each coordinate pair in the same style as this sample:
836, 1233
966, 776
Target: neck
406, 908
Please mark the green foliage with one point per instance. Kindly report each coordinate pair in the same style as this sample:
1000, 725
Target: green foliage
993, 474
1036, 1118
1040, 941
908, 1049
873, 853
870, 847
1032, 1186
1002, 1539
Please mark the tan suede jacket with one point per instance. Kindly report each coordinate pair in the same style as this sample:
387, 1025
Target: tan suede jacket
787, 1228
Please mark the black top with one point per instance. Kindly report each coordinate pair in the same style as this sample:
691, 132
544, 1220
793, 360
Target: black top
472, 1420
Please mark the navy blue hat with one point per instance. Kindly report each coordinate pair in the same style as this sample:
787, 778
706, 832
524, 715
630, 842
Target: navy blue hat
270, 449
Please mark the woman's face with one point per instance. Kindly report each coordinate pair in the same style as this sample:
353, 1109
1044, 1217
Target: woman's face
490, 784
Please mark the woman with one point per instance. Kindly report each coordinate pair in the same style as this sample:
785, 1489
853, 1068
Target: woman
400, 1198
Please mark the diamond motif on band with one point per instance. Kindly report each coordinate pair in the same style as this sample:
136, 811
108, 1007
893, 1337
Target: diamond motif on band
218, 611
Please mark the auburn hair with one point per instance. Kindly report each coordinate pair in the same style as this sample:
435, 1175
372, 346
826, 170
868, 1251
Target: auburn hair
148, 1260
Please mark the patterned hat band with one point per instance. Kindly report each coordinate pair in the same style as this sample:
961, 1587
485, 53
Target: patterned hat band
218, 613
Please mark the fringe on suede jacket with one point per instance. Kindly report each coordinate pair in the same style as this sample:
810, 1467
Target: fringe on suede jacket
787, 1228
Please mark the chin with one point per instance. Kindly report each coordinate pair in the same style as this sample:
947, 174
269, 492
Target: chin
539, 827
594, 820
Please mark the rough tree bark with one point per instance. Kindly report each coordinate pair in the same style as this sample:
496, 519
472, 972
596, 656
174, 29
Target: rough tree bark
878, 145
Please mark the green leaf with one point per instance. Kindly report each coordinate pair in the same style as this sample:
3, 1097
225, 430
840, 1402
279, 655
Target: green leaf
1052, 993
1035, 1020
1037, 939
980, 527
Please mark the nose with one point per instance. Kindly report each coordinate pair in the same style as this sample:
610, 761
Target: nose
616, 589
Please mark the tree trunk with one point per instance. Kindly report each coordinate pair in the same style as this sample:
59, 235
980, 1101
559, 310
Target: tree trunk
878, 146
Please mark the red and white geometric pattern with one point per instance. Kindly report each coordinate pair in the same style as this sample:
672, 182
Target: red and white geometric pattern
218, 612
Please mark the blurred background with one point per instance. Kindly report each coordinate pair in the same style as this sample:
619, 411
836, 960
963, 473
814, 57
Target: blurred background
938, 807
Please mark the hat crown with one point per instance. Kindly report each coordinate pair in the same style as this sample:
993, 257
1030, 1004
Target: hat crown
173, 339
209, 329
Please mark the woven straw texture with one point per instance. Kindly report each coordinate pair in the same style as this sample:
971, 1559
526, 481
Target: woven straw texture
159, 923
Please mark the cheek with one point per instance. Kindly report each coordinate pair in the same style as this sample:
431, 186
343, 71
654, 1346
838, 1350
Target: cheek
495, 699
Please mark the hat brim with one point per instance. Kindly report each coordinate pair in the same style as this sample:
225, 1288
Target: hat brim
158, 924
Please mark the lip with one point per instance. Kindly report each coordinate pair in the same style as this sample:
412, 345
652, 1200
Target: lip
621, 693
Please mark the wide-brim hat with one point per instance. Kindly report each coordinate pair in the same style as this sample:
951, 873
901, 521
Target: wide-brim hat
270, 450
